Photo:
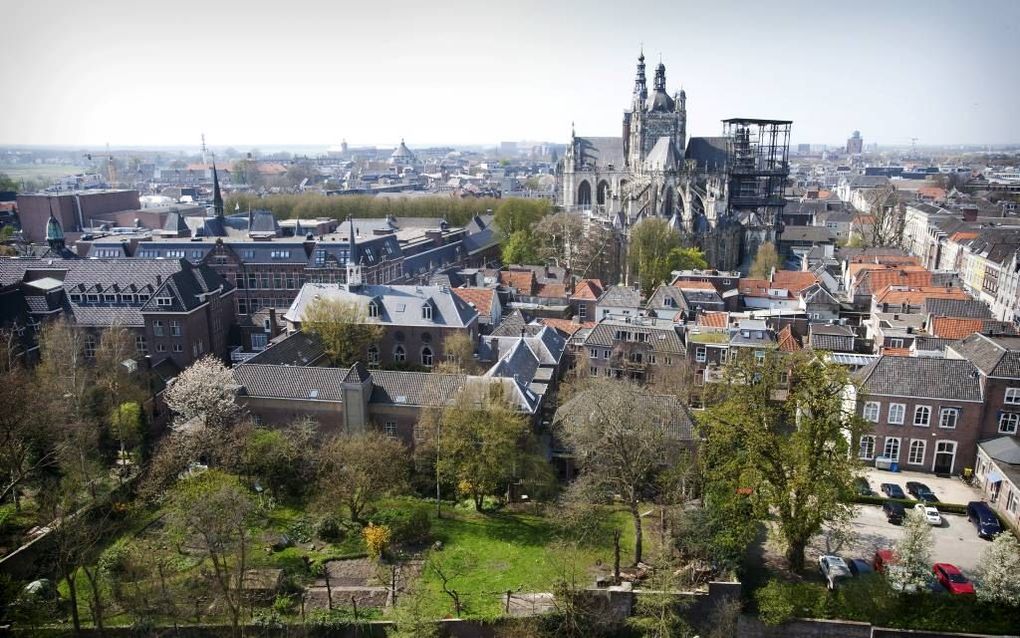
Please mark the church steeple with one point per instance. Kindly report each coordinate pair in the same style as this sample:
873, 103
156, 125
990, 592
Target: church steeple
660, 78
217, 196
640, 82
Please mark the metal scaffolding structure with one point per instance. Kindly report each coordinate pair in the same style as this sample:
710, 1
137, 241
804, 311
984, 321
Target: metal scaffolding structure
758, 166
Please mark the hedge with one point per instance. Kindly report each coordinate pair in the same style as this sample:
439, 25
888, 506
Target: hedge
950, 508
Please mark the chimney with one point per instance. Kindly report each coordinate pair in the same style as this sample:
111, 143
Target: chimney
273, 329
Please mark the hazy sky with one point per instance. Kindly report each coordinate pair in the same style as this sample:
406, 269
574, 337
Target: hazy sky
132, 72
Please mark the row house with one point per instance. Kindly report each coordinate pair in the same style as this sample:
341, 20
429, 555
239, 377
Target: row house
997, 474
710, 347
416, 320
898, 317
632, 347
683, 300
177, 312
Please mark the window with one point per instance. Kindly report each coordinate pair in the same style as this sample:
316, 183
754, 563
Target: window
593, 353
895, 343
157, 328
259, 341
175, 328
1012, 396
867, 451
892, 448
426, 357
399, 355
426, 312
178, 347
1011, 502
90, 346
253, 280
916, 454
871, 410
164, 301
390, 428
278, 280
896, 413
1008, 422
605, 354
92, 298
948, 418
701, 354
247, 253
922, 416
160, 347
242, 306
110, 298
264, 280
279, 254
593, 371
140, 345
582, 311
759, 356
75, 298
320, 257
373, 309
373, 355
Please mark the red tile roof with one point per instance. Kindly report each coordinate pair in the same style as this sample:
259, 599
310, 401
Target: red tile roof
876, 280
588, 289
955, 328
794, 280
566, 326
714, 319
523, 281
691, 284
915, 295
551, 290
896, 352
786, 341
480, 298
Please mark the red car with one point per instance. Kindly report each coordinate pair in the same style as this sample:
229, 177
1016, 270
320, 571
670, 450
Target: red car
883, 558
950, 577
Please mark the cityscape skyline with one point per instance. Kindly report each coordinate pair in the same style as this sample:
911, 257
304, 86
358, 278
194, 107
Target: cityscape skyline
106, 73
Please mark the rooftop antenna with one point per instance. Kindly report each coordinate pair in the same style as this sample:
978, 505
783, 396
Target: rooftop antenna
204, 160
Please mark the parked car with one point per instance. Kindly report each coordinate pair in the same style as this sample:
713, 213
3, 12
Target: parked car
984, 519
893, 490
914, 487
834, 570
950, 577
859, 567
883, 558
930, 514
894, 512
927, 497
862, 487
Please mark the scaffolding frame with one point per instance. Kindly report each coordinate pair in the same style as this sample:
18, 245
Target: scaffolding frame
758, 165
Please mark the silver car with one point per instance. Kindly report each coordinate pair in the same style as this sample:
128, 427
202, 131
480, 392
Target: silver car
834, 570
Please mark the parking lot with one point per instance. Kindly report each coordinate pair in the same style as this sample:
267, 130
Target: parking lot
955, 541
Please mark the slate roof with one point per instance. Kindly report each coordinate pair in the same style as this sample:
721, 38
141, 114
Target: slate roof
994, 356
513, 323
960, 308
186, 288
709, 152
422, 389
1004, 448
921, 377
397, 305
620, 297
291, 382
297, 349
600, 151
661, 338
664, 156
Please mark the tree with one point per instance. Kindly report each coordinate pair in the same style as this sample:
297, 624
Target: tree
615, 429
484, 443
459, 350
888, 217
791, 459
651, 244
7, 184
658, 611
282, 459
519, 248
204, 390
558, 237
765, 260
356, 470
689, 258
343, 328
213, 512
913, 554
519, 215
126, 426
998, 571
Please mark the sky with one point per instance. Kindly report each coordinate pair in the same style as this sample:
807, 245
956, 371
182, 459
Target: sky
249, 73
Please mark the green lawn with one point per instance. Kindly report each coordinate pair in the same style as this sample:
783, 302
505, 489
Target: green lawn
496, 552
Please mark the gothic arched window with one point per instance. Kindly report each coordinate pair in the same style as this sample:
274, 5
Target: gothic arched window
584, 194
373, 355
426, 357
399, 355
602, 196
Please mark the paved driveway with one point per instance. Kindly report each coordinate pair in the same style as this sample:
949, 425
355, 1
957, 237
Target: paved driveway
949, 490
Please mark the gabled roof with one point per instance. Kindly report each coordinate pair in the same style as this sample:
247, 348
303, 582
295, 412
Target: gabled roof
620, 297
600, 151
565, 326
513, 323
994, 356
291, 382
954, 328
421, 389
960, 308
794, 280
480, 298
921, 377
786, 341
1005, 449
395, 305
590, 289
660, 337
916, 295
713, 319
693, 284
664, 156
297, 349
523, 281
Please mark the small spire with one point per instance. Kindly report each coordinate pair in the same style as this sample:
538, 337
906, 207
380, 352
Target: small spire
217, 196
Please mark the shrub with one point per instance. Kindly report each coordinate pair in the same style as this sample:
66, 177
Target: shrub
778, 602
377, 539
409, 523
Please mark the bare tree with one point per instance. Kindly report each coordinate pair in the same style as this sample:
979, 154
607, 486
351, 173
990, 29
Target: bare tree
888, 218
356, 470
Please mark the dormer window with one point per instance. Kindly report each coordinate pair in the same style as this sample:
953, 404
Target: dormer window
110, 298
164, 301
92, 298
426, 312
75, 298
373, 309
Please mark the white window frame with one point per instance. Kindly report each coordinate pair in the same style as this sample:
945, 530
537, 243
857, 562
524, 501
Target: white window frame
701, 354
886, 446
157, 328
911, 458
947, 412
894, 407
868, 407
259, 340
399, 353
427, 356
175, 328
866, 453
895, 342
373, 355
1009, 422
426, 312
922, 409
1012, 396
390, 428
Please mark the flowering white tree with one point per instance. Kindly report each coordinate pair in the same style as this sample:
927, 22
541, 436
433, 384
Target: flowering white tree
913, 554
998, 571
205, 390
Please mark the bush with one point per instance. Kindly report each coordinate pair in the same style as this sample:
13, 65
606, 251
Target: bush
377, 539
778, 602
408, 523
949, 508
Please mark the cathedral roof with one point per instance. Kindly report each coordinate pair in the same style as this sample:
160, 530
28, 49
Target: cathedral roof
600, 151
660, 101
709, 152
664, 156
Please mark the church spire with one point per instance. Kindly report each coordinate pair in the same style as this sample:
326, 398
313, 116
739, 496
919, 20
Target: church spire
660, 77
217, 196
640, 82
54, 233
